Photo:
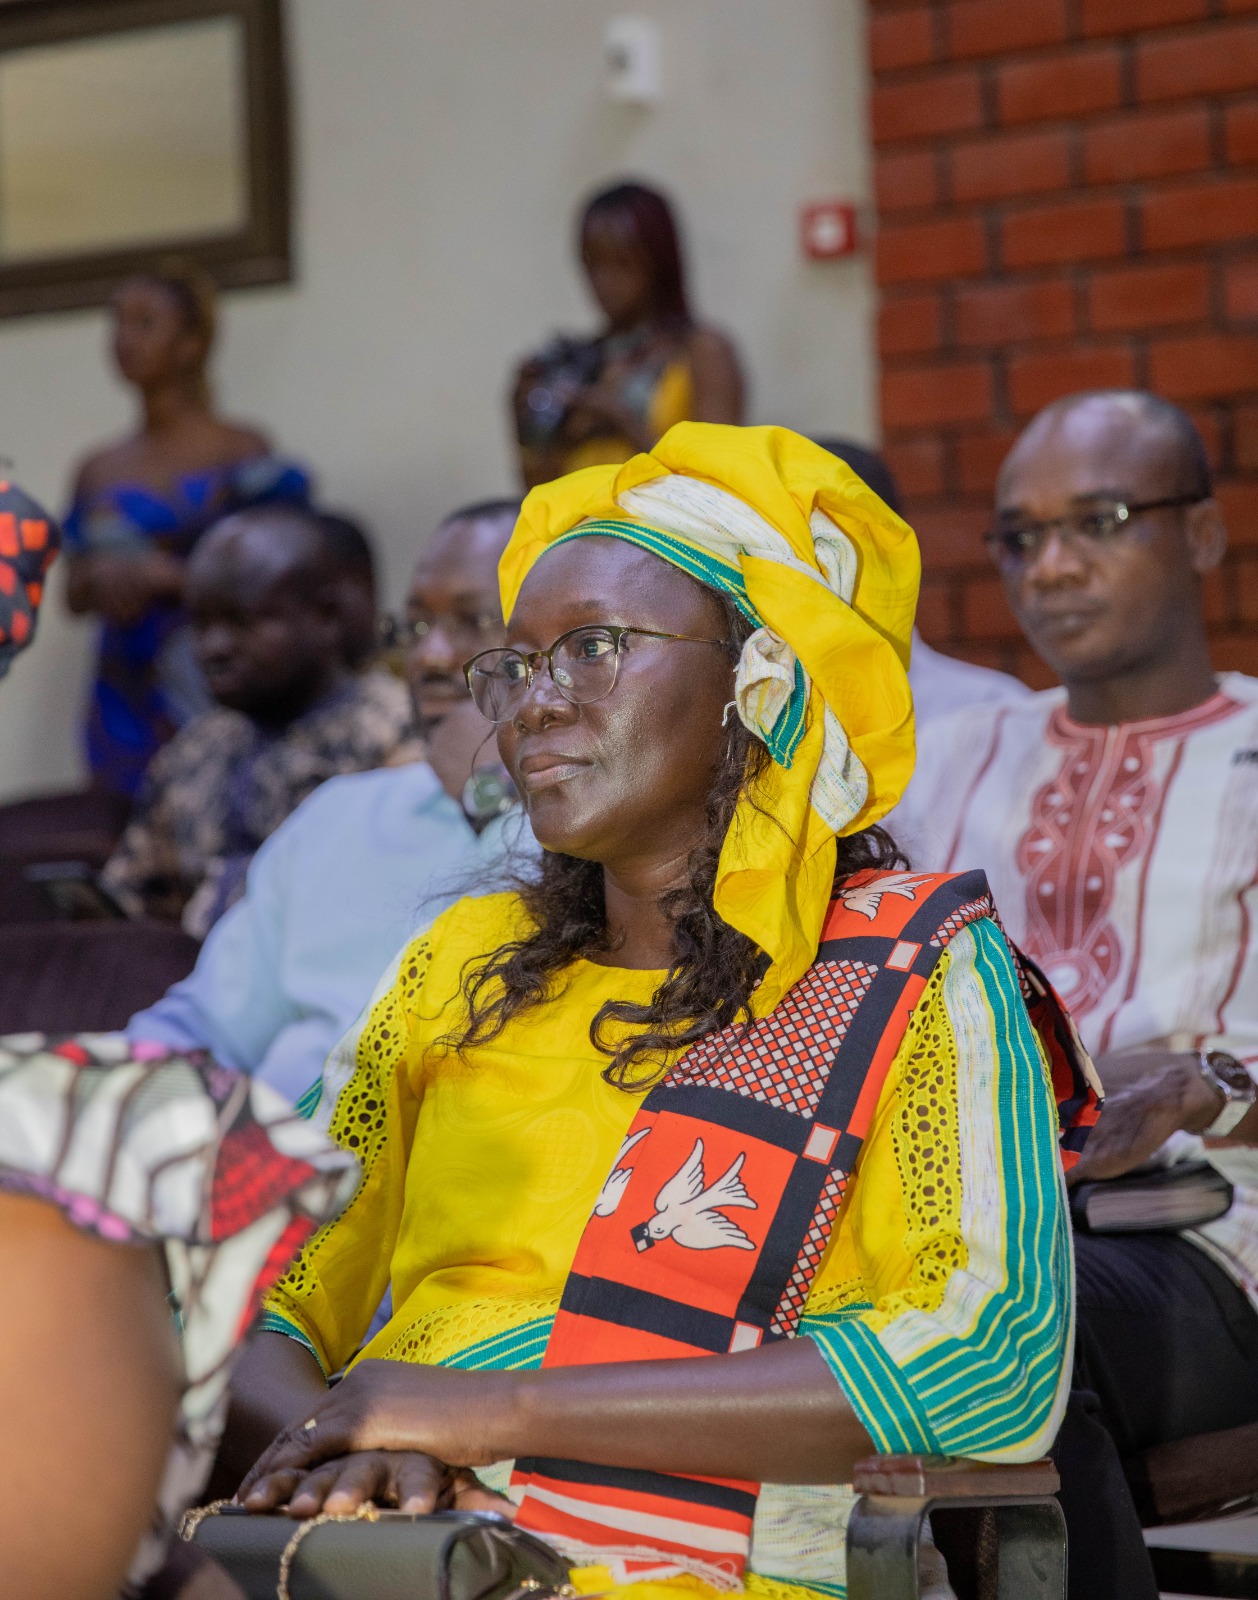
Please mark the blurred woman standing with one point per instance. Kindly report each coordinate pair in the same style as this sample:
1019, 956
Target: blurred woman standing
139, 507
588, 402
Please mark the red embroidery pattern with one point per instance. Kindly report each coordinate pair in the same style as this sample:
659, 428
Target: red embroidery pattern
1091, 819
779, 1060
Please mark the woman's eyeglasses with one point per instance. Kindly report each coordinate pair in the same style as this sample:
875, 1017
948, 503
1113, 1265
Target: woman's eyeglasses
583, 664
403, 633
1015, 545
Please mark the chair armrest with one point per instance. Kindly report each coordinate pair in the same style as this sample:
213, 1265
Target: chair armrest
954, 1478
1201, 1476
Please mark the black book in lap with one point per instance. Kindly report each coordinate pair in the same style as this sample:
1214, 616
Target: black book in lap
1152, 1200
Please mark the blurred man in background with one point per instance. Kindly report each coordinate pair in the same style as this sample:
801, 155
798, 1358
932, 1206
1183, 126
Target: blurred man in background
1117, 820
276, 598
338, 888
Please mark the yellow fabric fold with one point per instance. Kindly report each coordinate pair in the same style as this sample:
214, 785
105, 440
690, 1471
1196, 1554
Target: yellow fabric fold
777, 865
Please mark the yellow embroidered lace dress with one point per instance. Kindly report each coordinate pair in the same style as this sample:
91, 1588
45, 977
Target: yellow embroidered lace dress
943, 1303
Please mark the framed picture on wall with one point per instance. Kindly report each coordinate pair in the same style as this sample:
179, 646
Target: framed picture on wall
136, 129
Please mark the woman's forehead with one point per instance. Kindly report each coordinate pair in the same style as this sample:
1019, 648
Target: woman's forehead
599, 579
615, 228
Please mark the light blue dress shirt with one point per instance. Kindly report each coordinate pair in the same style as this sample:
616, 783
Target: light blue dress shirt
331, 897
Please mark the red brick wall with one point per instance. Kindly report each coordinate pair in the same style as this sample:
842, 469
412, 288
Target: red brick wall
1068, 199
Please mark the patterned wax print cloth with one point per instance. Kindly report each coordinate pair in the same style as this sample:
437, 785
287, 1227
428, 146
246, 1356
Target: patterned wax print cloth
219, 1171
651, 377
1124, 860
223, 785
147, 680
29, 540
942, 1304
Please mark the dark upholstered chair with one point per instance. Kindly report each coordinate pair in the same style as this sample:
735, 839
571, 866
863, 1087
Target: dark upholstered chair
1209, 1475
71, 977
81, 826
1193, 1480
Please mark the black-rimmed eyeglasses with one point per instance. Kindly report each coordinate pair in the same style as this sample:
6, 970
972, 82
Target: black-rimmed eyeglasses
403, 633
583, 664
1014, 545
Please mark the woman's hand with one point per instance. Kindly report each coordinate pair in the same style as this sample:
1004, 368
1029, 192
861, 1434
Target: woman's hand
774, 1414
454, 1417
404, 1479
598, 407
121, 587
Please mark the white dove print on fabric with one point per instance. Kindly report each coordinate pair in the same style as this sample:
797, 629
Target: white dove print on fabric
867, 897
613, 1191
689, 1213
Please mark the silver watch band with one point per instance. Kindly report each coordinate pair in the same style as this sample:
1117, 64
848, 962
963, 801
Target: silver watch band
1233, 1112
1236, 1105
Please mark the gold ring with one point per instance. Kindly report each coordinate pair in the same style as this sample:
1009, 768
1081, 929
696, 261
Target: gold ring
308, 1427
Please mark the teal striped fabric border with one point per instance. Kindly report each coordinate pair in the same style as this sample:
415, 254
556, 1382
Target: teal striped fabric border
993, 1389
272, 1322
704, 567
517, 1350
309, 1102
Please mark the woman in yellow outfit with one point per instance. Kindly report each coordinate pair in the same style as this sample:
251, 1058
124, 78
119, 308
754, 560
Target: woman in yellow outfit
587, 1110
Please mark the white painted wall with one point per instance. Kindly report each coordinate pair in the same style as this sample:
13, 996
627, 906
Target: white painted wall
441, 148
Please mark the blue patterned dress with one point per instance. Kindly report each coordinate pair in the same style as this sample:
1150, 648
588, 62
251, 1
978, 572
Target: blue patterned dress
147, 681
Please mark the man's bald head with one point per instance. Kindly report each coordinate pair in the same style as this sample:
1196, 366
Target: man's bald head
1101, 594
265, 594
266, 544
1155, 441
467, 543
454, 602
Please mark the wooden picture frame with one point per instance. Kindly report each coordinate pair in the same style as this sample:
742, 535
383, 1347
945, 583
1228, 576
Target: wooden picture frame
254, 246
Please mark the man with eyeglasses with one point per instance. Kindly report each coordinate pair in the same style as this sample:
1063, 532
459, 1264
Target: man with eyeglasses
367, 859
1117, 819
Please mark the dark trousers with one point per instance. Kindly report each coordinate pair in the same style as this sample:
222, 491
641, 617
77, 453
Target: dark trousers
1166, 1347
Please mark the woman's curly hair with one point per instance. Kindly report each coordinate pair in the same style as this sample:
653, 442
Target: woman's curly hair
714, 967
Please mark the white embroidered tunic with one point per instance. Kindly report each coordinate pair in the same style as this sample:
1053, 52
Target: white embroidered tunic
1124, 859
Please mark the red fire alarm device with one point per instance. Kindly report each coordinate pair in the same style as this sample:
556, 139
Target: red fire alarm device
828, 229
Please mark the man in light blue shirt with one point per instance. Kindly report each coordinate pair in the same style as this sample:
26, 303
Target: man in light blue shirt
369, 858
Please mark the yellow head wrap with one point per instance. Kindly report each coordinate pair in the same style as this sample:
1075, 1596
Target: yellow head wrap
830, 576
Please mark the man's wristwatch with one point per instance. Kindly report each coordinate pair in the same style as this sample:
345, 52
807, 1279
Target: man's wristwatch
1226, 1074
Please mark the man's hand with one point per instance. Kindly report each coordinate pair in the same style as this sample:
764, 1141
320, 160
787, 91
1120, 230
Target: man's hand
1136, 1122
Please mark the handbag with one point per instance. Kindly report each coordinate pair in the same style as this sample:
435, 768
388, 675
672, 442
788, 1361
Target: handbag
378, 1555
